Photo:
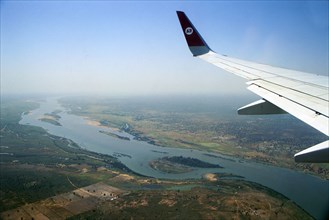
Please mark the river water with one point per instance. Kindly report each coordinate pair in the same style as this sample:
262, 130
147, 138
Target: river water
309, 192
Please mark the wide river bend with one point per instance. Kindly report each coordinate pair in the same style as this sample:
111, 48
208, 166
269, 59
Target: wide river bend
309, 192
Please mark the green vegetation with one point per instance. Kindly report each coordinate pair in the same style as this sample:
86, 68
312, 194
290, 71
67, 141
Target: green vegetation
52, 118
179, 164
227, 199
26, 184
192, 162
206, 125
115, 135
169, 167
35, 164
51, 121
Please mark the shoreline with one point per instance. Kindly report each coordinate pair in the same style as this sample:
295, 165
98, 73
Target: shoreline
142, 137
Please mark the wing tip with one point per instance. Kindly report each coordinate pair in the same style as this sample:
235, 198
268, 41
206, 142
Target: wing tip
194, 40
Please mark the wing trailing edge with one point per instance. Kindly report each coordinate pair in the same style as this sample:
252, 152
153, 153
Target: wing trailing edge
316, 154
260, 107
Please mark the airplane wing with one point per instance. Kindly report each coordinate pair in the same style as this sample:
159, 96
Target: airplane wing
303, 95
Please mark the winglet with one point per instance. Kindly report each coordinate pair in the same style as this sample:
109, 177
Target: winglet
194, 40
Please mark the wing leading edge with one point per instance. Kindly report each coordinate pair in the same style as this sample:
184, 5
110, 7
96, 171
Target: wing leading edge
303, 95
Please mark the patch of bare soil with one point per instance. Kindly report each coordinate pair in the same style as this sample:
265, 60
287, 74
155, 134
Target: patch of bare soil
67, 204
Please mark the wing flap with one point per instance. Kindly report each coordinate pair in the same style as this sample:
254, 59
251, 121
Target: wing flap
316, 154
312, 102
309, 116
260, 107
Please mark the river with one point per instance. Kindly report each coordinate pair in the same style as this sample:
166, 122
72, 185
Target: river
309, 192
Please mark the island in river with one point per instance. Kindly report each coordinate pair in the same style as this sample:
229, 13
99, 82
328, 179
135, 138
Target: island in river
179, 164
52, 118
115, 135
50, 166
205, 123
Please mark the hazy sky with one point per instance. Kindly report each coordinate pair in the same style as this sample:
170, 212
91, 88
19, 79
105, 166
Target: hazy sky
127, 48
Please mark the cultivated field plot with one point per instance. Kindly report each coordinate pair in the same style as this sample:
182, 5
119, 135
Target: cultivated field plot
67, 204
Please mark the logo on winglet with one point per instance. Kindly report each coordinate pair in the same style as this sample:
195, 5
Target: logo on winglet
189, 31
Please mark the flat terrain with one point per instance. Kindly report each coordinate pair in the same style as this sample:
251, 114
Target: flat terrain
66, 205
40, 173
206, 123
225, 200
206, 199
35, 165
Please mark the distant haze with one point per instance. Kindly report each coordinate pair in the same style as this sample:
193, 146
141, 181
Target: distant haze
125, 48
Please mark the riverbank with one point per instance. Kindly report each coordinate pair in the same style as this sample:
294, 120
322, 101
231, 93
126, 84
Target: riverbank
115, 135
215, 130
140, 153
36, 164
200, 203
51, 167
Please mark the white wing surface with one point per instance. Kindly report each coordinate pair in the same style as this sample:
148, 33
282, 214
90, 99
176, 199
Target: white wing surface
303, 95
